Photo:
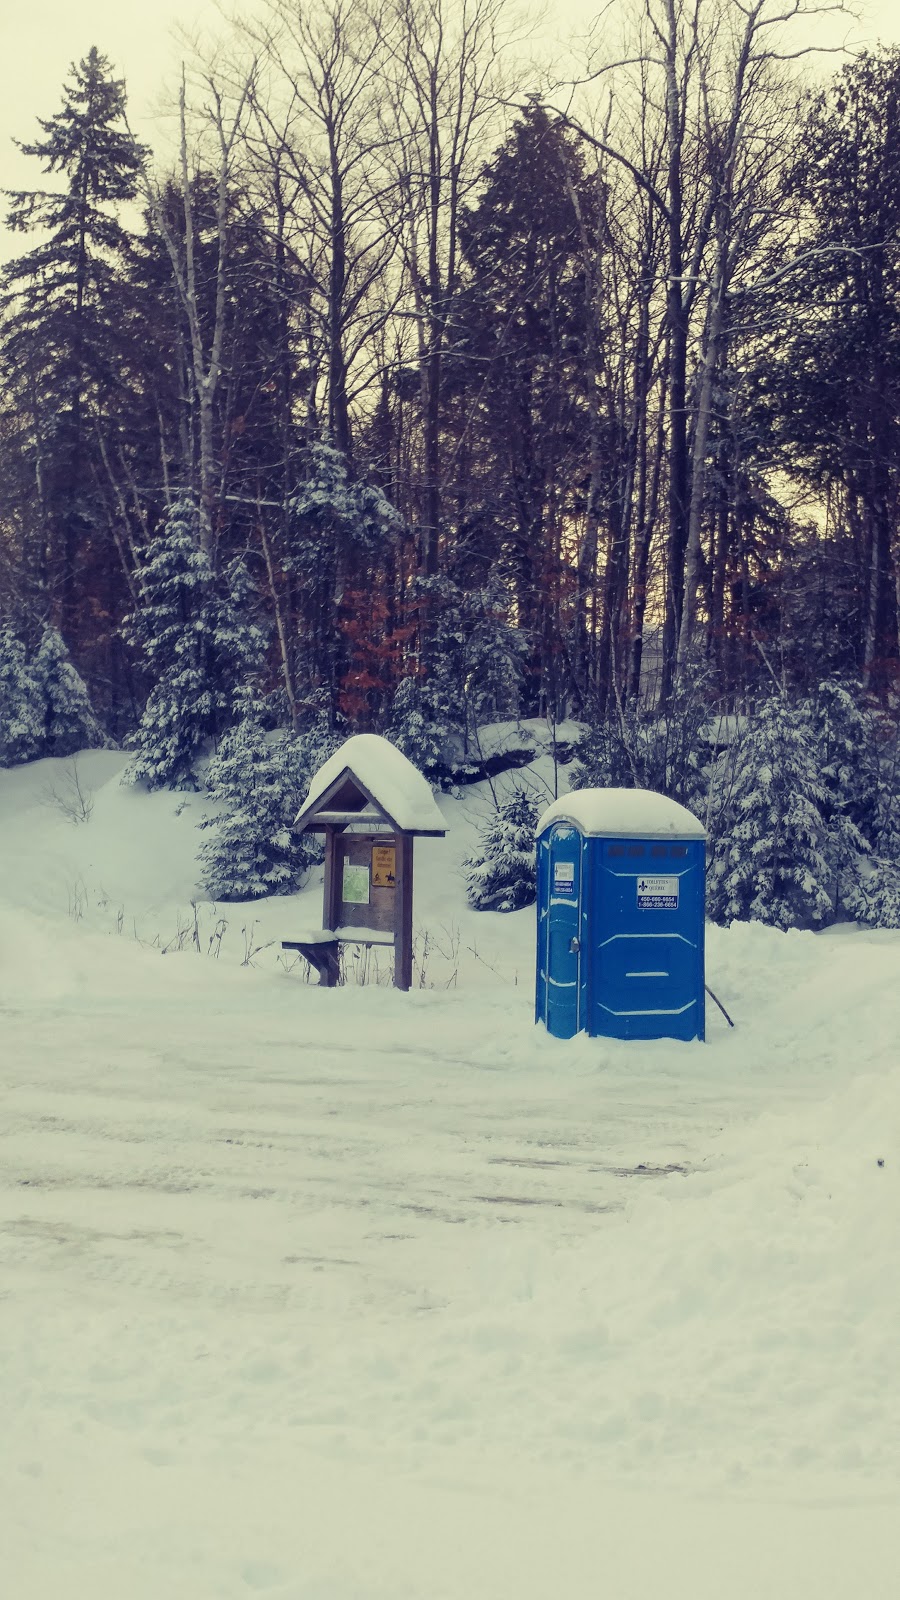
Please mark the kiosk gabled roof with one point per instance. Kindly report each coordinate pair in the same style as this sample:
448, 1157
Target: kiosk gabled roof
623, 814
373, 771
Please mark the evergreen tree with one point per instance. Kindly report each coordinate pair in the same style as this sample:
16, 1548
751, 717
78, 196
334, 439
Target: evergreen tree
257, 781
69, 721
848, 744
501, 873
871, 767
849, 770
519, 368
20, 711
769, 840
428, 709
473, 674
877, 901
199, 645
422, 724
885, 832
490, 651
341, 539
832, 370
64, 322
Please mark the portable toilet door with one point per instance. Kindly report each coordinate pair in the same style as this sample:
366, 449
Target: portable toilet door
647, 957
560, 918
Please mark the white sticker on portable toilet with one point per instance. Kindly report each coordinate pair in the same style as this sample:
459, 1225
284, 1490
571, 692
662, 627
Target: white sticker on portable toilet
563, 877
657, 894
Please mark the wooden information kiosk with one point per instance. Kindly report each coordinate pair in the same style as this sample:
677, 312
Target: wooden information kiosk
370, 803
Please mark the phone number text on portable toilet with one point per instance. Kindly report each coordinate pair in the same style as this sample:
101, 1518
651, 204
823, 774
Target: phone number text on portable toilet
657, 894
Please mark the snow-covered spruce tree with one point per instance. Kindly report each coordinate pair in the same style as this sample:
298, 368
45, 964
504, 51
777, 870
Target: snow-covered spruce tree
198, 645
355, 515
876, 896
877, 901
422, 724
21, 731
341, 534
69, 721
493, 653
848, 742
257, 781
846, 733
501, 873
768, 833
876, 891
471, 673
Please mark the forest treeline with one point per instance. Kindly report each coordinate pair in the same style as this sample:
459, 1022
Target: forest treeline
405, 393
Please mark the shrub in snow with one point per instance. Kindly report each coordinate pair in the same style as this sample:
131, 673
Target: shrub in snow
21, 731
69, 721
197, 645
769, 840
258, 781
501, 873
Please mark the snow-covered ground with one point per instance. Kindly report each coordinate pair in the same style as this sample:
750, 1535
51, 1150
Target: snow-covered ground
350, 1295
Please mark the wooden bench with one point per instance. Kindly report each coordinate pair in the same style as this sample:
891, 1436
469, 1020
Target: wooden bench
320, 948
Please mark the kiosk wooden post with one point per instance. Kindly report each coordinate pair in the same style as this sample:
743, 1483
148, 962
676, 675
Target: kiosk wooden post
370, 803
403, 937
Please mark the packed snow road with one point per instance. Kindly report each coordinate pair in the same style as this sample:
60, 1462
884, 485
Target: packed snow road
365, 1126
351, 1295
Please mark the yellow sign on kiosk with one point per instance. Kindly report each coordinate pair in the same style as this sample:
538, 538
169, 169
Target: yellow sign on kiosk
384, 866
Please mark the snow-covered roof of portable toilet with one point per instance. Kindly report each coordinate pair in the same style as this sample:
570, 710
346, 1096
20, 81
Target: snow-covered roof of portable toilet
368, 779
623, 814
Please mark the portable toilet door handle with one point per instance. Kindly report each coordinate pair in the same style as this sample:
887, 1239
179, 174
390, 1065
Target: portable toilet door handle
574, 945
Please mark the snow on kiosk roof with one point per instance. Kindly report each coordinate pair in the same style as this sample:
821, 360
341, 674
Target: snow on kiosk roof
368, 771
623, 814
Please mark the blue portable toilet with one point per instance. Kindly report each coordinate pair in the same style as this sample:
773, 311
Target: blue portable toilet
621, 877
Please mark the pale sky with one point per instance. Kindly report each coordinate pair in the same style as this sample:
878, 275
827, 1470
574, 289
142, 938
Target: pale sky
40, 38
